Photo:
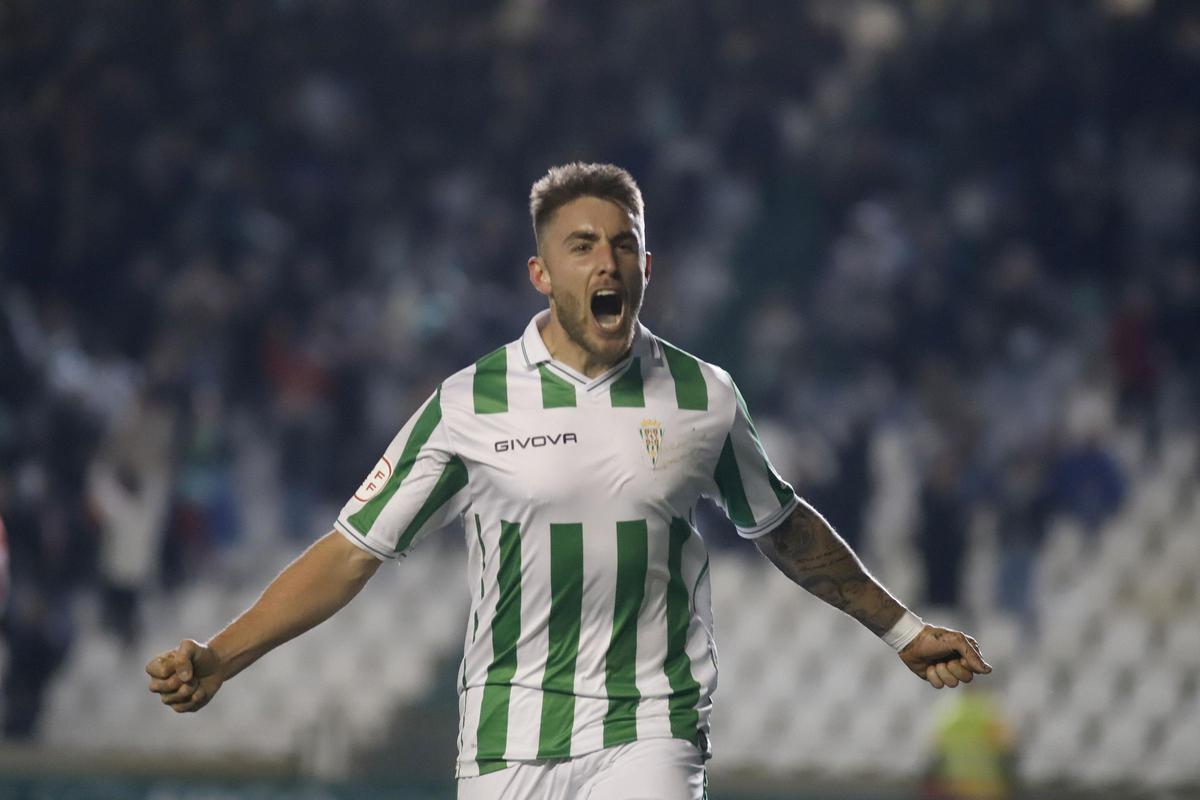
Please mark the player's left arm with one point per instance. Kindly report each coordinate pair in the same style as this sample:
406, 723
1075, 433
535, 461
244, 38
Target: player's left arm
809, 551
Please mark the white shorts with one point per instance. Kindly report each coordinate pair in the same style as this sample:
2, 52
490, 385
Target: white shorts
653, 769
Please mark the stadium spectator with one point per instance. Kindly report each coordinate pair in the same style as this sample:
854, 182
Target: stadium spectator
1020, 497
129, 491
1133, 345
48, 544
943, 526
1085, 481
974, 751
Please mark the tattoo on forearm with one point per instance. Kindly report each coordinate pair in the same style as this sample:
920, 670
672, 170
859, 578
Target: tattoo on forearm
809, 551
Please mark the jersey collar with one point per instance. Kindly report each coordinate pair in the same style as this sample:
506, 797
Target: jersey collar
535, 353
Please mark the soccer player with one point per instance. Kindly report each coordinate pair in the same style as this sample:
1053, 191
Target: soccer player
574, 457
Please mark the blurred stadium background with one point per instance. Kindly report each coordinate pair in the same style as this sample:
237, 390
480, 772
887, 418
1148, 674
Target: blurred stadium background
947, 247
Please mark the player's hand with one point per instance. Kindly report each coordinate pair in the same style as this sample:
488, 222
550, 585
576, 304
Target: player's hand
187, 677
944, 657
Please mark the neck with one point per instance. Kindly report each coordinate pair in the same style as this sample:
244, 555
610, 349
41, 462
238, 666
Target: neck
566, 350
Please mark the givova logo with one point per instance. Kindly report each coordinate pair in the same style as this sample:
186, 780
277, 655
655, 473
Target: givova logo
505, 445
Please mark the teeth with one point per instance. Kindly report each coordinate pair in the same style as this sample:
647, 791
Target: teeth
608, 319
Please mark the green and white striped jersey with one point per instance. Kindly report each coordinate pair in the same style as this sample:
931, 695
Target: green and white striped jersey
591, 622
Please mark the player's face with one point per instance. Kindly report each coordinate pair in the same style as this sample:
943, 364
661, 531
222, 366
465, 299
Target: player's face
593, 265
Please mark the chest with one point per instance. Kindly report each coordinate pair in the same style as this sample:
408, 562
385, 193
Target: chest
592, 454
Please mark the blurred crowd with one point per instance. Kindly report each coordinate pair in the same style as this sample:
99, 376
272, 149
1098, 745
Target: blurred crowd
946, 248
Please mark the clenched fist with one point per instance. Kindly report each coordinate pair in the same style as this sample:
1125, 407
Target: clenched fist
944, 657
187, 677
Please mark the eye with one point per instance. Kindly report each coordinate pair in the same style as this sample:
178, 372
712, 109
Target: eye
581, 247
627, 246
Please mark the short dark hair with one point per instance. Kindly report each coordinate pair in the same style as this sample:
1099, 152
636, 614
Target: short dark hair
568, 182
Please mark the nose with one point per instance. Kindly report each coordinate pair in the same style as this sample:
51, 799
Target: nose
606, 257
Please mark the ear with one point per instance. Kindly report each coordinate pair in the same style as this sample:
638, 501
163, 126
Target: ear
646, 270
539, 275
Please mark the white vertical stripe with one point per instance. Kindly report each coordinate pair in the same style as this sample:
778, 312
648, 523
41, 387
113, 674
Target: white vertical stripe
595, 633
700, 645
588, 734
653, 710
524, 384
525, 701
473, 576
524, 721
658, 389
479, 655
468, 705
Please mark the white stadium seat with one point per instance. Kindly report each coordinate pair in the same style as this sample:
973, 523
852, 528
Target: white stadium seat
1056, 744
1119, 753
1174, 762
1182, 643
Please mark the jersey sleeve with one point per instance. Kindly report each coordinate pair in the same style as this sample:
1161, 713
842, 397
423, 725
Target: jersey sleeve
744, 484
417, 487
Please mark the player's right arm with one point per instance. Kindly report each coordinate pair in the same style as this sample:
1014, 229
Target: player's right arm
804, 547
809, 551
322, 580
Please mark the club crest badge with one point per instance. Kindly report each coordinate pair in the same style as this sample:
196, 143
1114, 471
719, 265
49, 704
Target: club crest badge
652, 438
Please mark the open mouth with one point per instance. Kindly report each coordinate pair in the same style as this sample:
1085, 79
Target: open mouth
608, 305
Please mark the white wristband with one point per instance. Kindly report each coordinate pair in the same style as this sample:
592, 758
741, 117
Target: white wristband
904, 631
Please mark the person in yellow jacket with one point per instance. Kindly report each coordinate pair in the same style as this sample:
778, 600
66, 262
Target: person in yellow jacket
974, 753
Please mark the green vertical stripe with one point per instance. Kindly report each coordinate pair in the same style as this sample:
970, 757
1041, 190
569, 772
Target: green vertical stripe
482, 571
729, 482
492, 736
491, 383
556, 392
620, 664
430, 416
685, 691
783, 492
452, 479
627, 390
566, 607
691, 393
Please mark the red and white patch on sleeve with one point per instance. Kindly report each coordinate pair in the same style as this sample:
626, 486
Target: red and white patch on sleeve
374, 482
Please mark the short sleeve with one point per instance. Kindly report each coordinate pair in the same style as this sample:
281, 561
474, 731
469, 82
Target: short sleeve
417, 487
745, 485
